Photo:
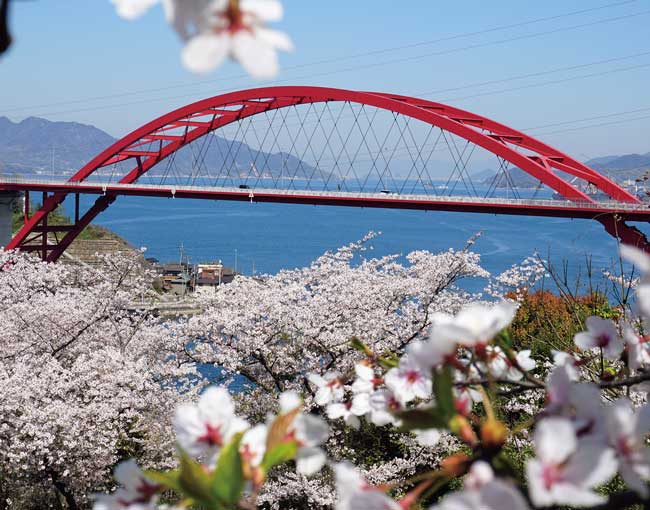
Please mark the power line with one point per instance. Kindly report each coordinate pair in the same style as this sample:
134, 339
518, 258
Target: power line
371, 65
549, 82
594, 126
575, 121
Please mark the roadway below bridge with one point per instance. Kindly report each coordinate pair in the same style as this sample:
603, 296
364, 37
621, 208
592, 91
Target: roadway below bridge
427, 202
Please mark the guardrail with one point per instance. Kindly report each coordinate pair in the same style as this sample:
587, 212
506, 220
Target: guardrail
251, 192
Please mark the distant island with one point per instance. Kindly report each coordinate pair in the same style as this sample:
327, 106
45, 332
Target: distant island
619, 168
41, 146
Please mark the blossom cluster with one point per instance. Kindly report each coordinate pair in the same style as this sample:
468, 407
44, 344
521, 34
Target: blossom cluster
584, 434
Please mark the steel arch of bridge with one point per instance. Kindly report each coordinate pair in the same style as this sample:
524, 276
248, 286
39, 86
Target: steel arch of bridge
503, 141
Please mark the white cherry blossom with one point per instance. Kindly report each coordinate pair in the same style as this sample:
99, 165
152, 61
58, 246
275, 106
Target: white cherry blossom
136, 491
501, 367
236, 29
383, 403
365, 380
475, 324
601, 334
330, 387
203, 428
253, 445
578, 402
483, 491
561, 473
408, 381
308, 431
627, 431
435, 350
570, 361
354, 493
638, 348
345, 410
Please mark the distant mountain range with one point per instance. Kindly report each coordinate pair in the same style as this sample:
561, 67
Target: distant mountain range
40, 146
619, 168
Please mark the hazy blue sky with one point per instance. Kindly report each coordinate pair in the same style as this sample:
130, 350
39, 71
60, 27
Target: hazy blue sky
68, 52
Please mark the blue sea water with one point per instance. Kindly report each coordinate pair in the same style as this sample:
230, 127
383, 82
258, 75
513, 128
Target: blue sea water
265, 238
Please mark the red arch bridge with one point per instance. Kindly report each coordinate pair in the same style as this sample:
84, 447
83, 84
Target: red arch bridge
324, 146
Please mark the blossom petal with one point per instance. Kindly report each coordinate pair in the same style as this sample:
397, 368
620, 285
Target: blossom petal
275, 38
309, 460
132, 9
258, 58
205, 52
264, 10
289, 401
637, 257
555, 440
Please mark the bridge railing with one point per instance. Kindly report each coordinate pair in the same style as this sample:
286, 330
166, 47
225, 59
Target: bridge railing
251, 192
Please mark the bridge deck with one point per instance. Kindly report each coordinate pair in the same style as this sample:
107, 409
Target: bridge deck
513, 206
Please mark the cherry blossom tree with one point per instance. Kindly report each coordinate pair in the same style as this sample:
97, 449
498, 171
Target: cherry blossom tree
583, 416
86, 379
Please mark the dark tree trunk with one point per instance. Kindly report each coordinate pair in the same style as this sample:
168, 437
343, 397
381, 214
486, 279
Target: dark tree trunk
5, 38
64, 491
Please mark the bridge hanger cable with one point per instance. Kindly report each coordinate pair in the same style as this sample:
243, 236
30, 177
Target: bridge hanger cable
543, 83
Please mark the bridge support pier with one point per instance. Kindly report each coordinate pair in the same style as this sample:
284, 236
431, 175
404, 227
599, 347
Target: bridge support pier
7, 201
626, 234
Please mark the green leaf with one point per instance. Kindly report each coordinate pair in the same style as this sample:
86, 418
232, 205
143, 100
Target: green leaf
228, 478
358, 345
431, 418
443, 392
168, 479
195, 483
503, 339
388, 362
279, 454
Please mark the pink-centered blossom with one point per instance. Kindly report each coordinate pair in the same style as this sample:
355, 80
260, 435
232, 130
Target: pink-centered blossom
216, 29
475, 324
569, 361
578, 402
601, 334
236, 29
638, 348
354, 493
501, 366
365, 381
627, 430
346, 411
409, 380
564, 472
308, 431
483, 491
136, 491
382, 405
329, 387
203, 428
253, 445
